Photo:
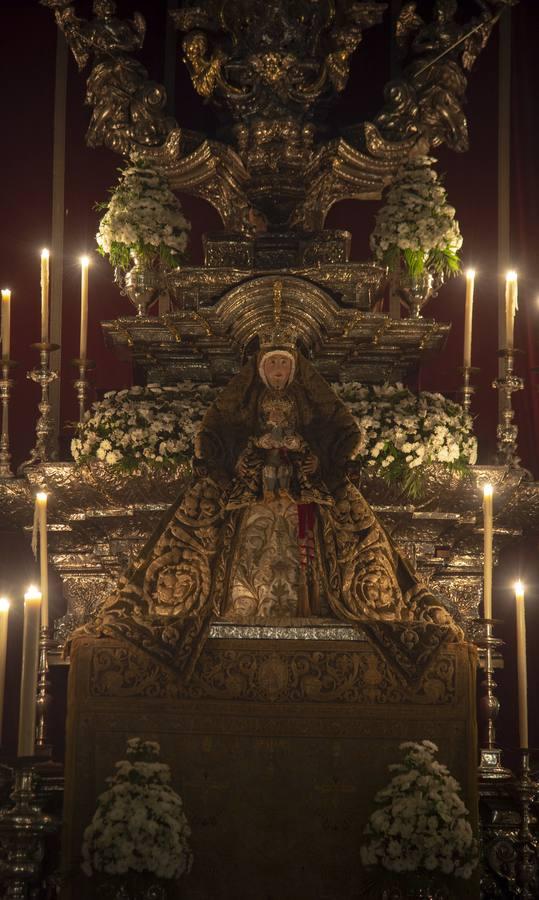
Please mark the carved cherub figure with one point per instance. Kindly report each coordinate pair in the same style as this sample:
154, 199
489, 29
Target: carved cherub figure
205, 68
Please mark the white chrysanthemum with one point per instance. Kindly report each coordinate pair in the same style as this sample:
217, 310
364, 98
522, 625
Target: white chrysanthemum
153, 424
416, 224
401, 431
422, 822
144, 217
139, 824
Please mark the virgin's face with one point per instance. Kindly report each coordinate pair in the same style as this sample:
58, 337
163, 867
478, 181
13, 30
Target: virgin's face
277, 369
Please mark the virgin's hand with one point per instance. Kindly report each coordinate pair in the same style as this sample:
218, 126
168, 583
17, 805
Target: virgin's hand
310, 464
242, 467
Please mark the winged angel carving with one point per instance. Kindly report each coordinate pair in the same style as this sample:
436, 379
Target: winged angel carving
127, 107
428, 101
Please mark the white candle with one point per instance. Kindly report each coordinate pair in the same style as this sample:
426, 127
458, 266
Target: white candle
6, 323
468, 315
44, 296
30, 658
511, 306
41, 508
4, 613
522, 664
487, 551
84, 263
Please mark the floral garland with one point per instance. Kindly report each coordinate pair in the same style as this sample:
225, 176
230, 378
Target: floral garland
422, 822
402, 432
152, 425
139, 824
143, 219
416, 228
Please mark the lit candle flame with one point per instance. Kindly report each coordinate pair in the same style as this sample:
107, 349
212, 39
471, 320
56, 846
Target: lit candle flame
511, 275
85, 261
4, 604
470, 274
45, 254
518, 588
488, 490
33, 593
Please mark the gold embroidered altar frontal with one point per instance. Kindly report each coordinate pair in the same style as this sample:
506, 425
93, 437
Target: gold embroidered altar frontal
277, 748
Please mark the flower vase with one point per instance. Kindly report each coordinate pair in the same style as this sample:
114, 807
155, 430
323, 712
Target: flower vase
417, 290
426, 886
143, 284
134, 886
419, 886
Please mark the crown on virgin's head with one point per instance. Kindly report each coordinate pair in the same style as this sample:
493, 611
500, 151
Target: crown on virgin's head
281, 337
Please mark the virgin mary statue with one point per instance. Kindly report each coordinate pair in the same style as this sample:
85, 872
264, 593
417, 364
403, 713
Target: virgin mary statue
269, 527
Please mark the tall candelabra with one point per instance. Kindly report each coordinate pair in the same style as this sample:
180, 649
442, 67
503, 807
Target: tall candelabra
43, 697
23, 829
82, 384
490, 764
45, 448
5, 393
507, 431
527, 791
468, 390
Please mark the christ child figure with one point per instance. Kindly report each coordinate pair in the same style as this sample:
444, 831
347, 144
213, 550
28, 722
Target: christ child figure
279, 440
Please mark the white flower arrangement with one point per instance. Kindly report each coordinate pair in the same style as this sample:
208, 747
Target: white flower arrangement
139, 824
154, 425
403, 432
143, 219
416, 227
422, 822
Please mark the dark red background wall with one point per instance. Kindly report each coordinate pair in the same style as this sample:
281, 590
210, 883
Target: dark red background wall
27, 67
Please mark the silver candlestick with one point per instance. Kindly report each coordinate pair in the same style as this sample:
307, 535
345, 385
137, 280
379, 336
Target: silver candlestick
467, 390
490, 763
44, 697
23, 830
527, 791
45, 448
5, 392
82, 384
507, 431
